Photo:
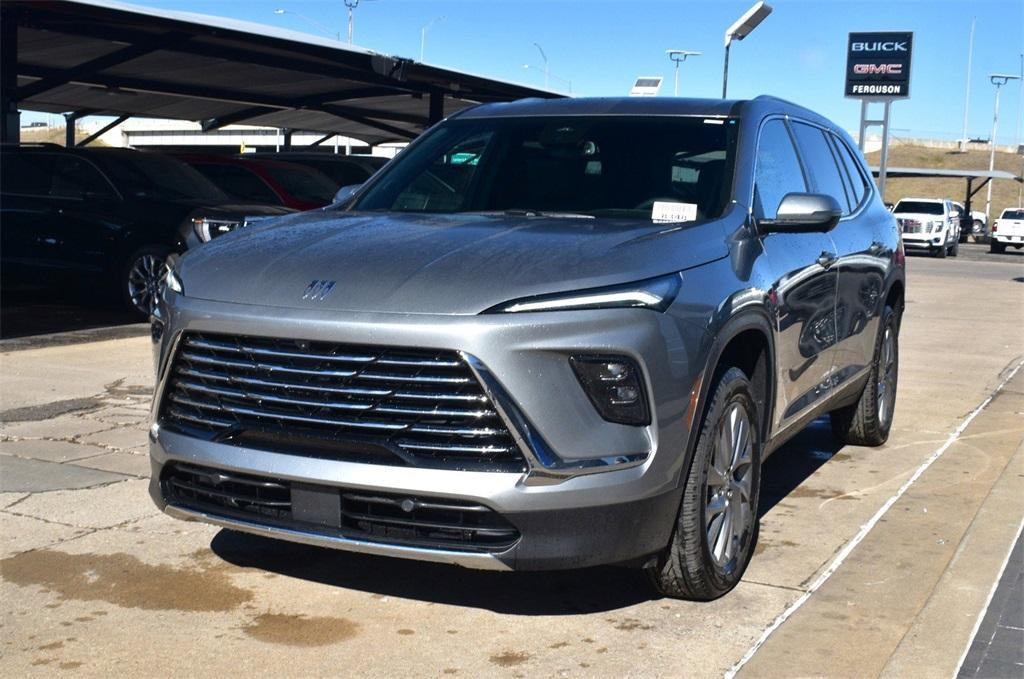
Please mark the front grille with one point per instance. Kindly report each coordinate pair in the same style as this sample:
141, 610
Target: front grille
911, 225
339, 512
370, 404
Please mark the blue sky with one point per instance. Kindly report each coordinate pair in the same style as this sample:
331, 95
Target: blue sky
798, 53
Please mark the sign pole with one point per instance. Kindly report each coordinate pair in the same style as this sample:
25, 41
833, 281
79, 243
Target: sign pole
862, 136
883, 162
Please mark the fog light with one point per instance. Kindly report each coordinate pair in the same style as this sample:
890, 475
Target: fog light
615, 386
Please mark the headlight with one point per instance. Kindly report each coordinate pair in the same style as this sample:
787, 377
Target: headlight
937, 225
654, 293
208, 228
172, 281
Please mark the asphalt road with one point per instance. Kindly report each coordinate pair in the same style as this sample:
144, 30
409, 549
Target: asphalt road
871, 562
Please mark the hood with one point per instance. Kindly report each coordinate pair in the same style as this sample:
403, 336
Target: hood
436, 264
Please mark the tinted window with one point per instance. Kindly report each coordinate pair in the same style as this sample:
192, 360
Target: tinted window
27, 174
142, 174
857, 183
303, 183
1013, 214
342, 173
821, 163
602, 166
778, 170
238, 182
77, 178
924, 207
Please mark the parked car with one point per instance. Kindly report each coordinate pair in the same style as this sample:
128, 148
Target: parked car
343, 170
532, 342
929, 224
974, 224
74, 217
262, 180
1007, 230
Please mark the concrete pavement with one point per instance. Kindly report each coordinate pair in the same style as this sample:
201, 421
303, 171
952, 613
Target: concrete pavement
95, 581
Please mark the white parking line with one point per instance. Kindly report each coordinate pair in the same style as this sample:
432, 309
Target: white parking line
866, 528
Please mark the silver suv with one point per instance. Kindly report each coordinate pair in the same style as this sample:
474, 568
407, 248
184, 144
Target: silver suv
550, 334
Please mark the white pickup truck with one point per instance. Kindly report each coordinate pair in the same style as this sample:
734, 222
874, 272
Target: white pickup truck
1007, 230
929, 225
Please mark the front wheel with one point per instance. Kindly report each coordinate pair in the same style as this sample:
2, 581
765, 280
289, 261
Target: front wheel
716, 529
954, 250
142, 277
867, 422
939, 252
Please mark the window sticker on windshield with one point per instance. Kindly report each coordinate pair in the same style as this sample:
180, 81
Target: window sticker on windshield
665, 212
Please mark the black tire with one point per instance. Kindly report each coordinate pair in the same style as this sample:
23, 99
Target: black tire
939, 252
996, 248
133, 300
687, 568
867, 422
955, 250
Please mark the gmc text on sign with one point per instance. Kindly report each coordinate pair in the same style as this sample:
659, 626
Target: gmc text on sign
878, 65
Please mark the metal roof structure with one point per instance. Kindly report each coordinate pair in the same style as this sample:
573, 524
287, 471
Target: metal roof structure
943, 172
101, 57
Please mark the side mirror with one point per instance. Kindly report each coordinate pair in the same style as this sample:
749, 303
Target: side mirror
803, 212
344, 193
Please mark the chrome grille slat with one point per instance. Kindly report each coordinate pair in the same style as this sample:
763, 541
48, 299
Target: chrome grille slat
379, 405
257, 382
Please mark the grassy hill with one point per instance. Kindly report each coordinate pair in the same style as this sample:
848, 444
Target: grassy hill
1004, 193
52, 135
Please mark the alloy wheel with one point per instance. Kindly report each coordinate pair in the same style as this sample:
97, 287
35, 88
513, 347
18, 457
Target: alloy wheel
145, 276
886, 377
729, 514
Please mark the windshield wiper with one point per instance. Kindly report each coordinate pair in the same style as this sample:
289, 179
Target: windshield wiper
545, 213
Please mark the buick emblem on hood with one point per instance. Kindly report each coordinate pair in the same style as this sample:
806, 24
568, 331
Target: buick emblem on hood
318, 290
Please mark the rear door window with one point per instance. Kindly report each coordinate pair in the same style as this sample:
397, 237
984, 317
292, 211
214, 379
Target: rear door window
238, 182
778, 170
76, 178
26, 174
858, 184
821, 162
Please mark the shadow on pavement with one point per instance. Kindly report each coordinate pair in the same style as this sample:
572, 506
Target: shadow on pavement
790, 465
25, 316
591, 590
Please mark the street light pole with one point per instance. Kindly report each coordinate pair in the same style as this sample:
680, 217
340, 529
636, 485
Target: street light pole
997, 79
316, 24
423, 34
568, 83
679, 56
545, 58
351, 5
967, 93
739, 30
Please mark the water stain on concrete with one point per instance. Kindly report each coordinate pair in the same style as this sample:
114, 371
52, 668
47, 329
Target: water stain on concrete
560, 644
51, 647
406, 632
631, 624
123, 580
300, 630
822, 493
70, 665
509, 658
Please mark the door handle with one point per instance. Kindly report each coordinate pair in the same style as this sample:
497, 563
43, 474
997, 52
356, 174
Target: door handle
827, 259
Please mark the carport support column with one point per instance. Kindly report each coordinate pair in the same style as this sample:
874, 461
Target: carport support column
69, 129
10, 131
288, 138
436, 107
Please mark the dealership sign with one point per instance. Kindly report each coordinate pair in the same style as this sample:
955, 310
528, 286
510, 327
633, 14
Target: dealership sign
878, 65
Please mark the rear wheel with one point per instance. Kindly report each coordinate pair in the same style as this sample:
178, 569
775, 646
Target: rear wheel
867, 422
142, 277
716, 528
996, 247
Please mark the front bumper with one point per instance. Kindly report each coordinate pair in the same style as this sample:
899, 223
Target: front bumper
594, 492
931, 241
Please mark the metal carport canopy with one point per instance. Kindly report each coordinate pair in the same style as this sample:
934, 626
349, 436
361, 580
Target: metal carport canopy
97, 57
944, 172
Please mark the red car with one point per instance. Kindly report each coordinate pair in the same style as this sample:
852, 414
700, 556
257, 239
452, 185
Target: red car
265, 181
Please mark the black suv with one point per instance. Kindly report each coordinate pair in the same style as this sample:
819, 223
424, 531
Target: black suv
106, 216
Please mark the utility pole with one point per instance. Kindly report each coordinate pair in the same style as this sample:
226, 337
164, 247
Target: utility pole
997, 79
967, 93
545, 58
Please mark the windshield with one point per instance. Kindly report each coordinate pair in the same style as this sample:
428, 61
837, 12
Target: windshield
1013, 214
594, 166
921, 207
138, 173
303, 183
